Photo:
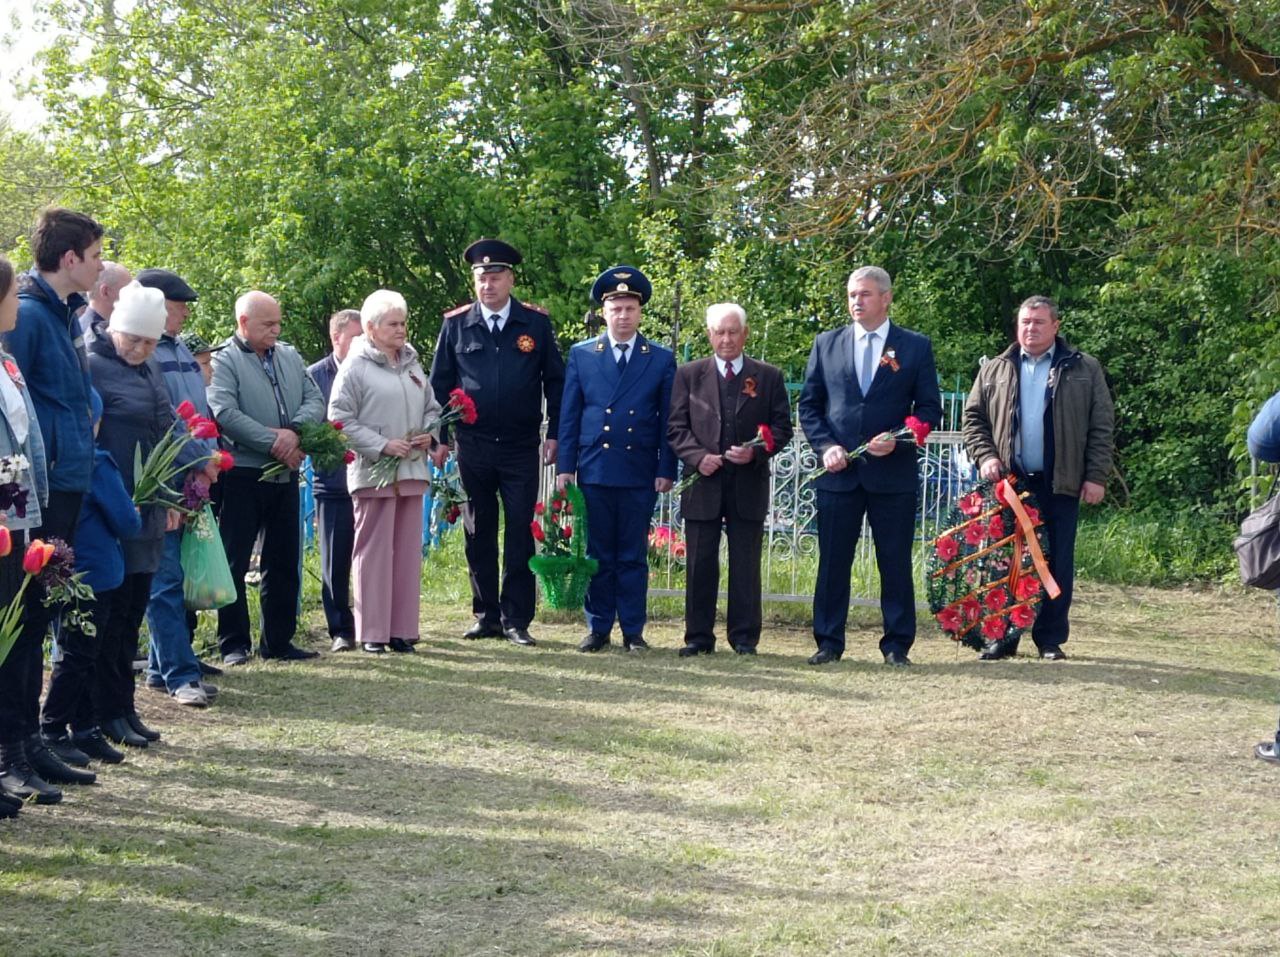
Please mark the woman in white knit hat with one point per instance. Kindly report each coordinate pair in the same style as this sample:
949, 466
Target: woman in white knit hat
136, 413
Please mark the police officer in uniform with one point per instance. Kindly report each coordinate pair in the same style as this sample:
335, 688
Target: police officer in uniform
503, 354
613, 437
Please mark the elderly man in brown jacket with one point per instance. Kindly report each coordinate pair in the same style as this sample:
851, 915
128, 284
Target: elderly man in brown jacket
718, 405
1042, 411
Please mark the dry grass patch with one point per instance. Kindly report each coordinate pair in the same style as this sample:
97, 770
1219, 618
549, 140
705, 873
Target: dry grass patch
479, 798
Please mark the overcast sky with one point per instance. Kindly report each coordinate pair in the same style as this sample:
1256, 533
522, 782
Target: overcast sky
19, 41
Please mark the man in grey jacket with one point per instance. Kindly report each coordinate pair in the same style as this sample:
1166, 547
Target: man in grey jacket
1042, 411
260, 395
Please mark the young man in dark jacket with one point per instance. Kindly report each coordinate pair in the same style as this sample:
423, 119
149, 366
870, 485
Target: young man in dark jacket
47, 347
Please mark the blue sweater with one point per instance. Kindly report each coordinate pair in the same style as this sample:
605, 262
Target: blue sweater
106, 517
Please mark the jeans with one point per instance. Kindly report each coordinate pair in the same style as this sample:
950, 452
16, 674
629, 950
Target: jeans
171, 657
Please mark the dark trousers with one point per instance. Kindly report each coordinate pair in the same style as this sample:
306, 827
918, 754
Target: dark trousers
118, 644
337, 527
73, 684
490, 472
892, 519
618, 538
250, 508
22, 673
1060, 514
743, 615
16, 673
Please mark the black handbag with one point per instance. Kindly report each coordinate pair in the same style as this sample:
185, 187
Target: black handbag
1258, 545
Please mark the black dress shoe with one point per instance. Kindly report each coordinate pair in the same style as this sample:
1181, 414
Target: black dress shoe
65, 749
1267, 751
96, 746
1053, 653
46, 764
118, 731
373, 647
139, 728
401, 647
688, 651
593, 642
824, 657
482, 629
9, 805
211, 671
20, 780
634, 643
520, 636
745, 649
292, 653
897, 659
343, 643
996, 653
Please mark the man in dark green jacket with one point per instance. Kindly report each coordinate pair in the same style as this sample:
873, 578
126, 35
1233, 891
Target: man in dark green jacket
1042, 411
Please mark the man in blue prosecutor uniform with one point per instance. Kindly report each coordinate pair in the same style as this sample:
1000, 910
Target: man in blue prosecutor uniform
502, 353
613, 428
862, 381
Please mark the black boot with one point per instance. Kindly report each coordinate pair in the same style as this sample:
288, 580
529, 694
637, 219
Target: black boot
18, 780
62, 745
141, 729
95, 745
9, 805
117, 730
46, 764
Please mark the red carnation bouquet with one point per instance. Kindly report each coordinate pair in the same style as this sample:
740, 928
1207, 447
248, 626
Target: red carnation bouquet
552, 525
559, 528
763, 439
460, 408
152, 479
323, 442
915, 429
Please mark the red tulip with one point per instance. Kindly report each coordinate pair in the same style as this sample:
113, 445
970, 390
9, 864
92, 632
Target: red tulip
202, 428
539, 508
225, 460
36, 557
536, 528
6, 541
185, 410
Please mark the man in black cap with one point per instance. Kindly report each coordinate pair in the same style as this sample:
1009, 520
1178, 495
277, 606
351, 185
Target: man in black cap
613, 441
171, 664
502, 353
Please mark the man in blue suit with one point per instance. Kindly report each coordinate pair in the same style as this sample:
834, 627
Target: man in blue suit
613, 428
862, 381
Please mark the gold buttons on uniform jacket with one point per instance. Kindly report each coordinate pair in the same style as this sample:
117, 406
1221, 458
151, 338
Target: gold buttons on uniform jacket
606, 428
608, 411
606, 445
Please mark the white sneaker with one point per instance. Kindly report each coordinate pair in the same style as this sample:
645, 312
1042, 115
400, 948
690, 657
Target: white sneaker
191, 694
210, 691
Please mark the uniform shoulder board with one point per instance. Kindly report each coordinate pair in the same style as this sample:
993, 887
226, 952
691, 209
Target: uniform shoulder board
457, 310
535, 307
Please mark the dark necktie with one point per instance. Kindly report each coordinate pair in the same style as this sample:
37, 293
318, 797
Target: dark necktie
494, 329
728, 372
622, 360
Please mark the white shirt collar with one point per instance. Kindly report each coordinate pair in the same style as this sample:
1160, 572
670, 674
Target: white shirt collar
881, 330
736, 363
503, 314
629, 343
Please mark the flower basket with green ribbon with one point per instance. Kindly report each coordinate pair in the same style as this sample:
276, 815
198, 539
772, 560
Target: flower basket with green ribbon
560, 530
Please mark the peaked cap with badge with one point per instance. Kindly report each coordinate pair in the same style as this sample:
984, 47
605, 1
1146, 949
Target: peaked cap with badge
620, 281
491, 255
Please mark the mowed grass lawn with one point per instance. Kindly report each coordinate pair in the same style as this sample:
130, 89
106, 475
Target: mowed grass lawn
479, 798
